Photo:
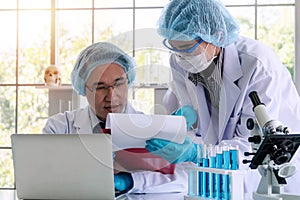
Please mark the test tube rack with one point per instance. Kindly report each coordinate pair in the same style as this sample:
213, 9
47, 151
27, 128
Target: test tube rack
236, 183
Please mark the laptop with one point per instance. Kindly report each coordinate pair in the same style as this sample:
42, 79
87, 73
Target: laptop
63, 166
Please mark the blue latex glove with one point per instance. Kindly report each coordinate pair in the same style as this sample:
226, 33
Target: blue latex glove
189, 114
173, 152
123, 181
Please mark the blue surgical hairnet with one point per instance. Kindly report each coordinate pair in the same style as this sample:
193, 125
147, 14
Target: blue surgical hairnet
99, 54
192, 19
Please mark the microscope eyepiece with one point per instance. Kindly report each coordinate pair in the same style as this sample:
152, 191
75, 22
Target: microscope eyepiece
255, 99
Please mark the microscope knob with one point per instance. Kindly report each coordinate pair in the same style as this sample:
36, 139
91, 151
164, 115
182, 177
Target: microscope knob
246, 161
250, 123
286, 130
249, 154
256, 139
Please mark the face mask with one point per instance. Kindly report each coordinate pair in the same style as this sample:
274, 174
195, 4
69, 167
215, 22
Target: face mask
195, 64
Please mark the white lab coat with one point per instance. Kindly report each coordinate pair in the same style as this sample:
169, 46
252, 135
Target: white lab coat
77, 121
248, 66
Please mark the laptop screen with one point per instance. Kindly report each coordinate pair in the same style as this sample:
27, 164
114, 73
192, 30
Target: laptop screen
63, 166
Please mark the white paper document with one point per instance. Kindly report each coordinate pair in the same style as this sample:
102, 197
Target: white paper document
132, 130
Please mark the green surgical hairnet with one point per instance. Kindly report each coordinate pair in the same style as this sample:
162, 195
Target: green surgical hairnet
192, 19
98, 54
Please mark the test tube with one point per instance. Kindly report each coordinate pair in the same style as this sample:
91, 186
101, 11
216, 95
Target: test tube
204, 174
225, 177
193, 183
199, 164
195, 176
212, 164
219, 165
200, 174
234, 157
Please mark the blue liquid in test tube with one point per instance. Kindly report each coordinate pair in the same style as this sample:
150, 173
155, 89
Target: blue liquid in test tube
234, 157
200, 178
212, 164
225, 178
192, 181
199, 164
219, 163
204, 174
195, 177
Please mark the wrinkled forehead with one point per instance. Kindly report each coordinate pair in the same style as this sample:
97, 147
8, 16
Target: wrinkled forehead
107, 73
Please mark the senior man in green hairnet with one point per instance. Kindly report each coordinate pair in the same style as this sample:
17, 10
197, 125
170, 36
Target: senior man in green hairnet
103, 73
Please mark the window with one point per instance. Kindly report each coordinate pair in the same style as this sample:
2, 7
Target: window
38, 33
269, 21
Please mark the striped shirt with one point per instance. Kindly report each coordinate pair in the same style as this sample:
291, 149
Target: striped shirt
211, 79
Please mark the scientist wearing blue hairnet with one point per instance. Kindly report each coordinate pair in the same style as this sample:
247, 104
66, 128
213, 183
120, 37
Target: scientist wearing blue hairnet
214, 69
103, 73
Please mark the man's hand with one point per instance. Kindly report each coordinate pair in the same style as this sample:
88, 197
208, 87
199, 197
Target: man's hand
123, 181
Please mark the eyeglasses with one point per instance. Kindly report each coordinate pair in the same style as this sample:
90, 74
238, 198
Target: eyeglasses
117, 86
188, 50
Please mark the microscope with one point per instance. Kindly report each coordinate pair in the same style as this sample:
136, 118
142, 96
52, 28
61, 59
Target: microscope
273, 146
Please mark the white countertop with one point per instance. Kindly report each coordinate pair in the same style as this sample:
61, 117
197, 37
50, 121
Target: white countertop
11, 195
